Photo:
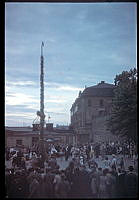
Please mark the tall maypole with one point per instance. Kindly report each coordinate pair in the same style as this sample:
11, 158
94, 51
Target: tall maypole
42, 115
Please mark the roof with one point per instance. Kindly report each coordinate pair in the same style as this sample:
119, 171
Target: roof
21, 129
28, 131
101, 89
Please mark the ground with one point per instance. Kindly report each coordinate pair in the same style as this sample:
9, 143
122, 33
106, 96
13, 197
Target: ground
63, 164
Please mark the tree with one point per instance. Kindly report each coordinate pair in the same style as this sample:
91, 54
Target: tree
123, 118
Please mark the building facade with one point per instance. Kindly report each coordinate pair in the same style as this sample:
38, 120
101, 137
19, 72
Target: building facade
28, 136
90, 112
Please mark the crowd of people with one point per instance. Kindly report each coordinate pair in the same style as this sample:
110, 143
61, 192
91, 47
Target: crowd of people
82, 178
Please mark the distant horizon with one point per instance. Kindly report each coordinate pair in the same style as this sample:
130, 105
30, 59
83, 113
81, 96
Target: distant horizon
59, 125
84, 44
52, 122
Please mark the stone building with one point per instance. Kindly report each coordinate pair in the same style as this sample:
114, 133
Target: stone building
28, 136
90, 111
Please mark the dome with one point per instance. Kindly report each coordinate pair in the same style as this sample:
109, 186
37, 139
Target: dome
101, 89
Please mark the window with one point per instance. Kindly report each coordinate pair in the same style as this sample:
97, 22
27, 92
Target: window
71, 112
101, 103
34, 140
18, 142
75, 109
101, 113
79, 106
89, 103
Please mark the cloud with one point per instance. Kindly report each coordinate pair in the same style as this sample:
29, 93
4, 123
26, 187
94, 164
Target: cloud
21, 83
84, 44
61, 87
26, 115
69, 88
57, 101
20, 99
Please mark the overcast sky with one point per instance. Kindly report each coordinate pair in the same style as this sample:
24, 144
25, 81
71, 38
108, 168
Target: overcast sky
84, 43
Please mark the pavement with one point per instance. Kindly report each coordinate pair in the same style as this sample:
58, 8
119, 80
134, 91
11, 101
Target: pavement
63, 164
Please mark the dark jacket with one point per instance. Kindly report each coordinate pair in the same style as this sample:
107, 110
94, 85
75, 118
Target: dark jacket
131, 184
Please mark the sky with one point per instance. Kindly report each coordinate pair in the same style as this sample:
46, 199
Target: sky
84, 44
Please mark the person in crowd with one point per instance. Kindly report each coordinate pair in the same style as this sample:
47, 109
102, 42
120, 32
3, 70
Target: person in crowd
49, 186
33, 186
114, 162
106, 162
94, 186
100, 173
14, 161
88, 150
74, 182
57, 182
122, 164
69, 171
114, 171
95, 181
53, 163
57, 147
81, 160
102, 192
78, 180
19, 157
68, 152
18, 187
34, 162
7, 154
8, 179
63, 187
102, 150
23, 163
97, 150
120, 184
93, 163
80, 187
135, 161
111, 184
92, 152
131, 183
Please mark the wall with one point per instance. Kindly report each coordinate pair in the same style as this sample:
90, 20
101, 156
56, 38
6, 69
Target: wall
87, 117
26, 140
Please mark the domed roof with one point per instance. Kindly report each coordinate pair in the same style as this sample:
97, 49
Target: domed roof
101, 89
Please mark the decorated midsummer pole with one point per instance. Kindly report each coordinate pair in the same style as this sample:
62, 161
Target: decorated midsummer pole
42, 115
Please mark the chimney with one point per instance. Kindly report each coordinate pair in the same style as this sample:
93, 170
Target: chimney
36, 127
49, 126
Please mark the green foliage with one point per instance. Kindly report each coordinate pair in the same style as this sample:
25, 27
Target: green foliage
123, 119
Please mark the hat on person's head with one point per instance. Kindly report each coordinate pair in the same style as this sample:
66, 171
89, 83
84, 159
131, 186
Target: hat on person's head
105, 171
123, 171
131, 168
